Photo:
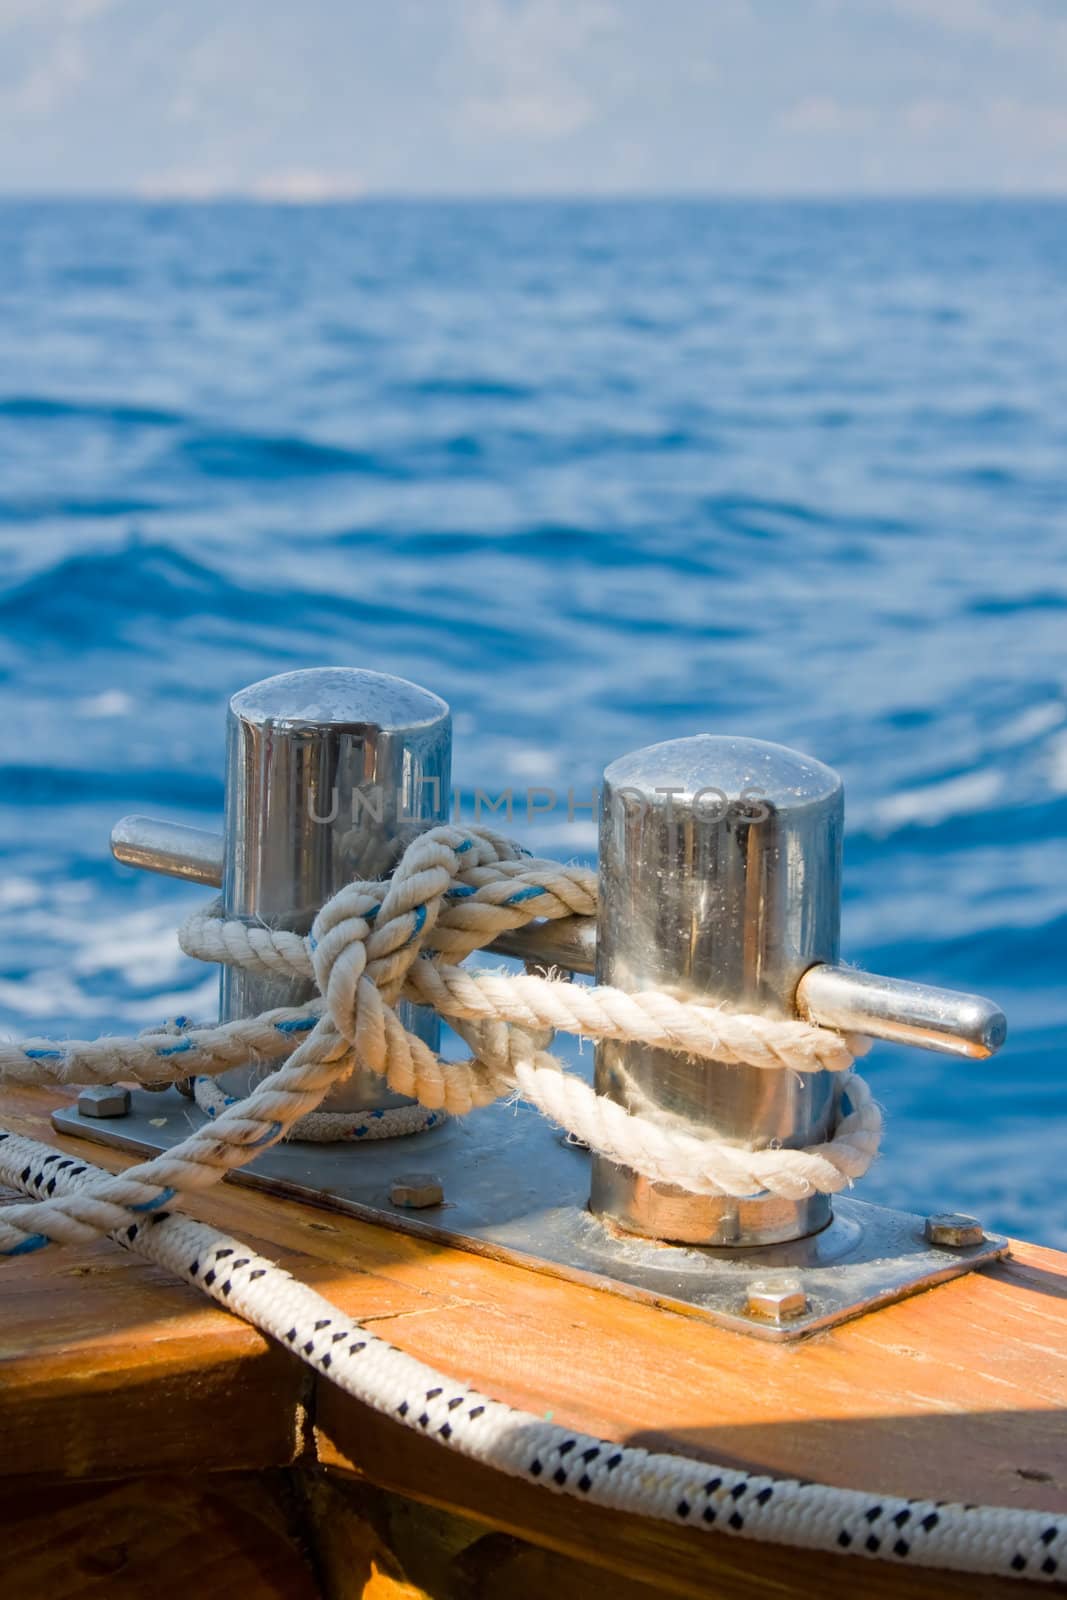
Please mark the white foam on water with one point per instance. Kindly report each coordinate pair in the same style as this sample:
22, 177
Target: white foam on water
111, 703
539, 767
50, 992
17, 893
200, 1003
88, 960
953, 797
1030, 724
141, 946
1056, 763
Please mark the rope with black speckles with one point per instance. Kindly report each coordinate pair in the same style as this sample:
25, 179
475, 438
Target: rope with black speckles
978, 1539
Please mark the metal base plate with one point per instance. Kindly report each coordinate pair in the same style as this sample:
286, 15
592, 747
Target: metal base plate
516, 1189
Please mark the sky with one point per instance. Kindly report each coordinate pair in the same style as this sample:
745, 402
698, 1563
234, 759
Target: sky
322, 99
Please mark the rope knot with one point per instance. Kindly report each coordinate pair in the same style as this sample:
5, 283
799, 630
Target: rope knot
376, 943
366, 938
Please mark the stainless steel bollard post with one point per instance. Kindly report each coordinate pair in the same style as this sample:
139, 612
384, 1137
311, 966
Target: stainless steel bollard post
720, 873
329, 773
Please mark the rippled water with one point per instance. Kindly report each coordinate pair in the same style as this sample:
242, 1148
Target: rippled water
600, 475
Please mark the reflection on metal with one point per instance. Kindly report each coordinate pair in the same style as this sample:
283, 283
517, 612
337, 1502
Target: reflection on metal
954, 1229
103, 1100
720, 874
514, 1190
569, 944
329, 774
720, 864
882, 1008
776, 1297
910, 1013
171, 848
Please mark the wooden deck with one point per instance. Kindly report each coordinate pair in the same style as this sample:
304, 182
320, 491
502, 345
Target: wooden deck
133, 1414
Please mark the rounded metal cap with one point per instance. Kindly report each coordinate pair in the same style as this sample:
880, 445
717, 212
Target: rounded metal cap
330, 773
712, 774
720, 862
338, 698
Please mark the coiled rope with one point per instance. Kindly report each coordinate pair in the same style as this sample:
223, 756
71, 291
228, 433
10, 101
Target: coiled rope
371, 945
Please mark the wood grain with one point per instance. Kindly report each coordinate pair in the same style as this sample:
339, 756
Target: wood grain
958, 1393
655, 1557
170, 1538
375, 1546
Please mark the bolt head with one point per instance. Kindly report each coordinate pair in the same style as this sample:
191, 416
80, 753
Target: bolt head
776, 1299
415, 1191
104, 1100
954, 1229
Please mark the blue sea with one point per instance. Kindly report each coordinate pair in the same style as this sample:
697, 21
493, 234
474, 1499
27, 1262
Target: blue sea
600, 474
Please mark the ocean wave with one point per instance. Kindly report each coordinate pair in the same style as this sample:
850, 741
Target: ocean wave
45, 408
1003, 605
47, 508
601, 476
251, 456
464, 388
85, 594
49, 784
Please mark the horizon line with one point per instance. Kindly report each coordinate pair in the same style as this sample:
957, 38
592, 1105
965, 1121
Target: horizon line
257, 197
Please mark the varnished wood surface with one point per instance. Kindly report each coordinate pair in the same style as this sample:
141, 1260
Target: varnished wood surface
166, 1538
959, 1393
376, 1546
655, 1558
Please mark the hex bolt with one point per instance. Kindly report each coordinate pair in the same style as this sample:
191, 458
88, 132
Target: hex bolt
416, 1191
776, 1299
104, 1100
954, 1229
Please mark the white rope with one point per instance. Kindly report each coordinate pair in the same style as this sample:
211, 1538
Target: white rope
653, 1017
166, 1054
455, 888
678, 1489
370, 946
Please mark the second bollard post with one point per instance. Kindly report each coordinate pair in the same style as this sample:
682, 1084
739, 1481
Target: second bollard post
329, 773
720, 878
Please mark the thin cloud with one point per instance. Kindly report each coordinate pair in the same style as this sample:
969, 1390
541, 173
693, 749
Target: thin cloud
930, 115
305, 186
823, 114
523, 65
49, 82
290, 186
343, 97
1029, 123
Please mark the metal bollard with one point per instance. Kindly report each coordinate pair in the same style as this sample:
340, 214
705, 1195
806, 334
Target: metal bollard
720, 875
329, 773
720, 863
720, 867
955, 1024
